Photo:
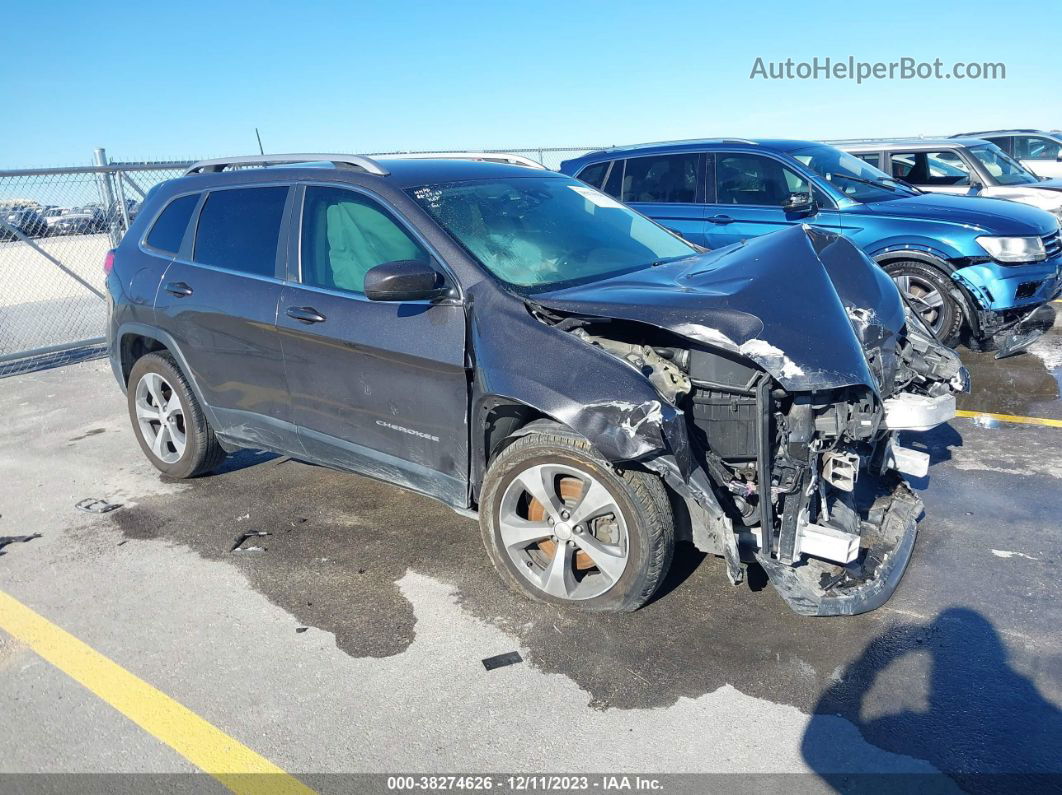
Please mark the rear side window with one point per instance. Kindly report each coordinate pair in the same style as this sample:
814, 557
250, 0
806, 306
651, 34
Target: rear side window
168, 231
594, 174
239, 229
344, 234
670, 179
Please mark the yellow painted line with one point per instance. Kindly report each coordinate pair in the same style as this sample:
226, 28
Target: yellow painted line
208, 748
987, 415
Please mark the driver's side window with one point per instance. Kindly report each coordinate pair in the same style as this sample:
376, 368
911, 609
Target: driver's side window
344, 235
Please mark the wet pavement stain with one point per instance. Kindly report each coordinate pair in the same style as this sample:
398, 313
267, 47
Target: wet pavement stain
1027, 384
337, 571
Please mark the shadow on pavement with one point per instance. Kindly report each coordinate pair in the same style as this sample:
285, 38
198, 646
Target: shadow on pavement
981, 723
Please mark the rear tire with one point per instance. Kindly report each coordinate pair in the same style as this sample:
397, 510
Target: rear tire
929, 291
168, 421
612, 530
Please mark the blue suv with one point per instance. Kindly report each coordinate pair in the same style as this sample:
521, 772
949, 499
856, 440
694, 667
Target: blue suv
976, 269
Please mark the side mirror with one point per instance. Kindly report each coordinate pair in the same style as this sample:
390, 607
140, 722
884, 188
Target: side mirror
403, 280
799, 203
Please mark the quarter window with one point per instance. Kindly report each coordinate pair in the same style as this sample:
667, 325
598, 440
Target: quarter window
874, 158
344, 234
614, 184
594, 174
239, 229
755, 180
168, 231
668, 179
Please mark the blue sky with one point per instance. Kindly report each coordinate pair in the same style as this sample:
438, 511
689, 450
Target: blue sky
193, 79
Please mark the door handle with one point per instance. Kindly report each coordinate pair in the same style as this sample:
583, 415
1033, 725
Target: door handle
305, 314
720, 219
179, 289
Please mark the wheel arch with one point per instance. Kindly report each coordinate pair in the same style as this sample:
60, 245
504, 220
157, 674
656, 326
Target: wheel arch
967, 302
496, 422
135, 340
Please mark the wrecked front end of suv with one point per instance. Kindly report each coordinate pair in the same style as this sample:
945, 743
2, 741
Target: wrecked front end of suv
783, 368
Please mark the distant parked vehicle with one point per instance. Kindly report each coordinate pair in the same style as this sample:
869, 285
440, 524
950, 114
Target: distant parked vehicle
51, 216
27, 221
961, 166
80, 222
1037, 150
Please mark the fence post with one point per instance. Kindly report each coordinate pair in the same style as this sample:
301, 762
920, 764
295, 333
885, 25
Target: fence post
106, 186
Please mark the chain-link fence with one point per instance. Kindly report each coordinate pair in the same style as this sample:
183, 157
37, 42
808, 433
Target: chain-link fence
56, 225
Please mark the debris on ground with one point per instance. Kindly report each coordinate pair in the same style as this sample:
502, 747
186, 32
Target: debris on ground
501, 660
301, 629
96, 505
237, 544
5, 540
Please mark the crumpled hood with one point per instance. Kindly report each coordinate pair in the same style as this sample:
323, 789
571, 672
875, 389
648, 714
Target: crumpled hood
994, 216
803, 303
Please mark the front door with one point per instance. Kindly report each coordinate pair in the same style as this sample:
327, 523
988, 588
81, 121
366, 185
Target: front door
376, 387
749, 190
219, 302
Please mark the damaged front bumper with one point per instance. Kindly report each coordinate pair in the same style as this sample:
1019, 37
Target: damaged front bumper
816, 588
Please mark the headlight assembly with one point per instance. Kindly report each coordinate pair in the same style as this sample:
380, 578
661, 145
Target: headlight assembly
1014, 249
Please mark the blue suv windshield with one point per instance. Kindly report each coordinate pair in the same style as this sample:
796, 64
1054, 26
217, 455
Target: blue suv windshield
854, 178
999, 165
540, 233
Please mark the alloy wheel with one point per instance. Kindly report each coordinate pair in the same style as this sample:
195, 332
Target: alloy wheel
564, 531
925, 298
161, 418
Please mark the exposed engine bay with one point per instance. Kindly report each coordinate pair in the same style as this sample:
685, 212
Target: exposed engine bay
808, 479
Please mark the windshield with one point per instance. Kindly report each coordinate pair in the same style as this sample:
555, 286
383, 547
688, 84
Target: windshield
538, 233
1000, 166
849, 175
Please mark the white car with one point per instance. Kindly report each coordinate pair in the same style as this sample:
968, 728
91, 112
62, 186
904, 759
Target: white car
960, 166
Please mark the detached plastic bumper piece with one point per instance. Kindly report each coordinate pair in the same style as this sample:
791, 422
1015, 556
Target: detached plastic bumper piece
1028, 331
816, 588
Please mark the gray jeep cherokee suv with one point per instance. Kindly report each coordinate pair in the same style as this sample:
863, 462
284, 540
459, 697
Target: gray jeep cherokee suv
523, 347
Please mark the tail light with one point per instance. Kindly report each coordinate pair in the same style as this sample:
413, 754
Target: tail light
108, 262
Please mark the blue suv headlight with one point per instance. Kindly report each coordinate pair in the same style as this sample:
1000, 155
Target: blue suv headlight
1014, 249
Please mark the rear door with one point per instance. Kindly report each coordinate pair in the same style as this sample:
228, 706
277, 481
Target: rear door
218, 300
376, 387
747, 195
669, 188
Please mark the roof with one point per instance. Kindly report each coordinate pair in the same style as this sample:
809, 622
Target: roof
918, 144
698, 144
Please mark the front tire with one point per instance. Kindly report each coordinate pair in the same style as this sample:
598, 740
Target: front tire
563, 526
929, 292
168, 421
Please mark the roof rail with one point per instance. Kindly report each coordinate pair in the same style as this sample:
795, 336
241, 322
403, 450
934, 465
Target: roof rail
489, 157
1004, 132
746, 141
366, 164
